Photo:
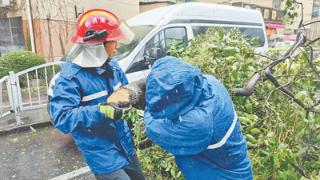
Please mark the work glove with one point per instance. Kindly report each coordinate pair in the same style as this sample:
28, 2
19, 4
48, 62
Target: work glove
114, 111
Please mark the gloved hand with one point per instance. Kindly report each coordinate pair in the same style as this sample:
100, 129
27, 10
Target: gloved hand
114, 111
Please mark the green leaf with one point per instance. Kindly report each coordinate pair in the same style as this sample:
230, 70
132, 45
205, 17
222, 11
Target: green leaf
255, 131
173, 172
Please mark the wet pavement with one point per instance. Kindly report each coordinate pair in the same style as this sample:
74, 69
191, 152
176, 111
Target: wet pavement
29, 117
42, 153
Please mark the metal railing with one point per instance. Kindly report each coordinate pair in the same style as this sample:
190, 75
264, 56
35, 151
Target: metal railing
26, 90
5, 105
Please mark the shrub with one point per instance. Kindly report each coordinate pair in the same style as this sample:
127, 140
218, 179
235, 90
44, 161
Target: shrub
283, 139
19, 60
156, 163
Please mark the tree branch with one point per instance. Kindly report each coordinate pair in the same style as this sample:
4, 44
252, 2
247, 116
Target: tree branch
309, 23
310, 61
288, 93
249, 88
312, 41
300, 170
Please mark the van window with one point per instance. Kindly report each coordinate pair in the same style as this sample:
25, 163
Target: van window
140, 32
162, 40
138, 64
174, 34
248, 31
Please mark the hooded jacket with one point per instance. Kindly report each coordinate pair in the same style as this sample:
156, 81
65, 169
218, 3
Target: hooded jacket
192, 117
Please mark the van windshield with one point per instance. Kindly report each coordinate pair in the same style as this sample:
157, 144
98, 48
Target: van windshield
125, 49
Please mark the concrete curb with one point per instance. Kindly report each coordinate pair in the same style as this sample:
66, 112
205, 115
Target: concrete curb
24, 127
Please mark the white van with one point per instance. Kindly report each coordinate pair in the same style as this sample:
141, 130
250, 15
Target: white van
157, 28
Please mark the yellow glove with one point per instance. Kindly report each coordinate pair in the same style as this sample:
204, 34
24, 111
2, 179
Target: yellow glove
114, 111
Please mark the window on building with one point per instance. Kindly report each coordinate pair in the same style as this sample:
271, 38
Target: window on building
315, 8
11, 36
276, 4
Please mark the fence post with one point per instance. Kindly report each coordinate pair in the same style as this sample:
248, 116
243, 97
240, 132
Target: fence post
13, 83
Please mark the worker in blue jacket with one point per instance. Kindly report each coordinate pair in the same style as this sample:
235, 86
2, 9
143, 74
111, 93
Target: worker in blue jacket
78, 104
191, 115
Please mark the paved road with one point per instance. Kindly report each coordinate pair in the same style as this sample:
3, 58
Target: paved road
43, 154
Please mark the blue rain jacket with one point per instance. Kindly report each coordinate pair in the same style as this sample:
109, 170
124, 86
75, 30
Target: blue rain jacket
105, 144
189, 115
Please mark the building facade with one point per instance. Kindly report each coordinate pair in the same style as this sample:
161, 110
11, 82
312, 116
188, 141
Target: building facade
315, 28
53, 21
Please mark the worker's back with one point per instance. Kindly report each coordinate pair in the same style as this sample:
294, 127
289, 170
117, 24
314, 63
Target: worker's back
226, 160
192, 116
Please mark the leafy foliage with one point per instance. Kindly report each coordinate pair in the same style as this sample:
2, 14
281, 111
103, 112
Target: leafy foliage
283, 139
155, 162
290, 11
19, 60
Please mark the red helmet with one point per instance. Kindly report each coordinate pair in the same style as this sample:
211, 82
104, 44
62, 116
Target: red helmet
97, 25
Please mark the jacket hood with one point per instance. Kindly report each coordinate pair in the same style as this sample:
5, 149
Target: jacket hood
180, 104
173, 88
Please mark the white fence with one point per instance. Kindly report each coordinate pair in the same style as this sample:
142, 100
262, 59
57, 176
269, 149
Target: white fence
5, 105
26, 90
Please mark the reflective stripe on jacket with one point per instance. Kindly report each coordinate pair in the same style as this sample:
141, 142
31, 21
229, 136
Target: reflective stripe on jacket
105, 144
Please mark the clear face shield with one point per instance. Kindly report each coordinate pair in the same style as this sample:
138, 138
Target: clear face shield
94, 54
127, 34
